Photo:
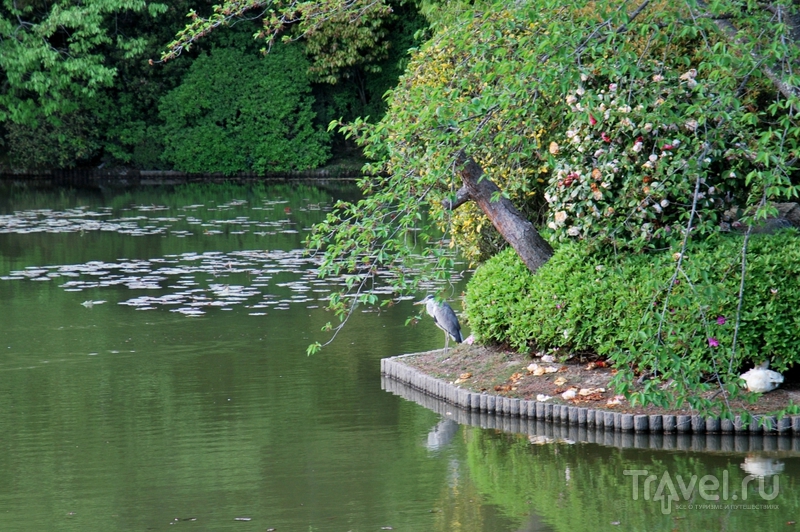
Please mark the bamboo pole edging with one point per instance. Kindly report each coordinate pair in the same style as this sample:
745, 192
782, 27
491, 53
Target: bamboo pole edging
568, 414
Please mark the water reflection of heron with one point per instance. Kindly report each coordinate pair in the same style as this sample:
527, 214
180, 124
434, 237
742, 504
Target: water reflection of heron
441, 435
444, 317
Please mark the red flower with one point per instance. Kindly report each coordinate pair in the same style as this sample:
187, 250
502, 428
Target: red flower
592, 120
667, 147
605, 137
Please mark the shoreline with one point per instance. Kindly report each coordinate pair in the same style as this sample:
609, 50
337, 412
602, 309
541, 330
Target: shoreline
129, 177
481, 402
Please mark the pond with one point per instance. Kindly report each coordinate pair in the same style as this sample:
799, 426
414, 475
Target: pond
153, 376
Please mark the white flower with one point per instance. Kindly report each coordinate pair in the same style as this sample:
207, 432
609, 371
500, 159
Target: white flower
691, 125
584, 77
612, 87
626, 122
637, 147
599, 152
648, 127
665, 203
571, 99
657, 208
580, 91
657, 78
570, 133
560, 217
574, 231
676, 142
653, 157
552, 225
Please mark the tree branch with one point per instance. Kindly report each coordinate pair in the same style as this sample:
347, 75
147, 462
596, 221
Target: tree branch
462, 196
732, 35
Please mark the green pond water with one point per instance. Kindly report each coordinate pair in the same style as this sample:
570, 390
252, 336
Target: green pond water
153, 376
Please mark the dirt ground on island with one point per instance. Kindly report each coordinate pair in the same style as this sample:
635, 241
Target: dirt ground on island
501, 372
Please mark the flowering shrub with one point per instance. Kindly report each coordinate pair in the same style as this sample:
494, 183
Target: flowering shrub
625, 170
621, 307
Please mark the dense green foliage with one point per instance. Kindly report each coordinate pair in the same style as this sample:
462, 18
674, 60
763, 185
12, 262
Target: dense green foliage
80, 89
52, 56
532, 91
260, 122
622, 307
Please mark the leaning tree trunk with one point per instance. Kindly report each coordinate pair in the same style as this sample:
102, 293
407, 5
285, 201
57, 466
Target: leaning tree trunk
509, 222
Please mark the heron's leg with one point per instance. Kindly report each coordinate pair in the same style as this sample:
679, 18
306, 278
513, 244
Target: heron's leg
446, 342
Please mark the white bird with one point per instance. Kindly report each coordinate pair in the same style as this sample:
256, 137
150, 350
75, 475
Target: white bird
760, 379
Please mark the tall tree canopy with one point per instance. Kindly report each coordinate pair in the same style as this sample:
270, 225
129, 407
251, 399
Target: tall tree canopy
51, 53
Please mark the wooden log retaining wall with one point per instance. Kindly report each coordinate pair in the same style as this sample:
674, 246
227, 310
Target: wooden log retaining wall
393, 368
542, 431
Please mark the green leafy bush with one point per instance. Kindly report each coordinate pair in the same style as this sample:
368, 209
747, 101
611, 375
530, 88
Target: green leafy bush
59, 141
236, 112
669, 315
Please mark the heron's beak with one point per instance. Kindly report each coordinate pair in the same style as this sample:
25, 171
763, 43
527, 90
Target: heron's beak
419, 302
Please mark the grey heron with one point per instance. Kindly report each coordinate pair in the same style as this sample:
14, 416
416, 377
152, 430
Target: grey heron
444, 317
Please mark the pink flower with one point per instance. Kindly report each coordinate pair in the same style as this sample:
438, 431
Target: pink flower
721, 320
667, 147
592, 120
605, 137
713, 342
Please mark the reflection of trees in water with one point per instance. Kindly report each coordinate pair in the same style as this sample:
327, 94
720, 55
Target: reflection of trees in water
582, 486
